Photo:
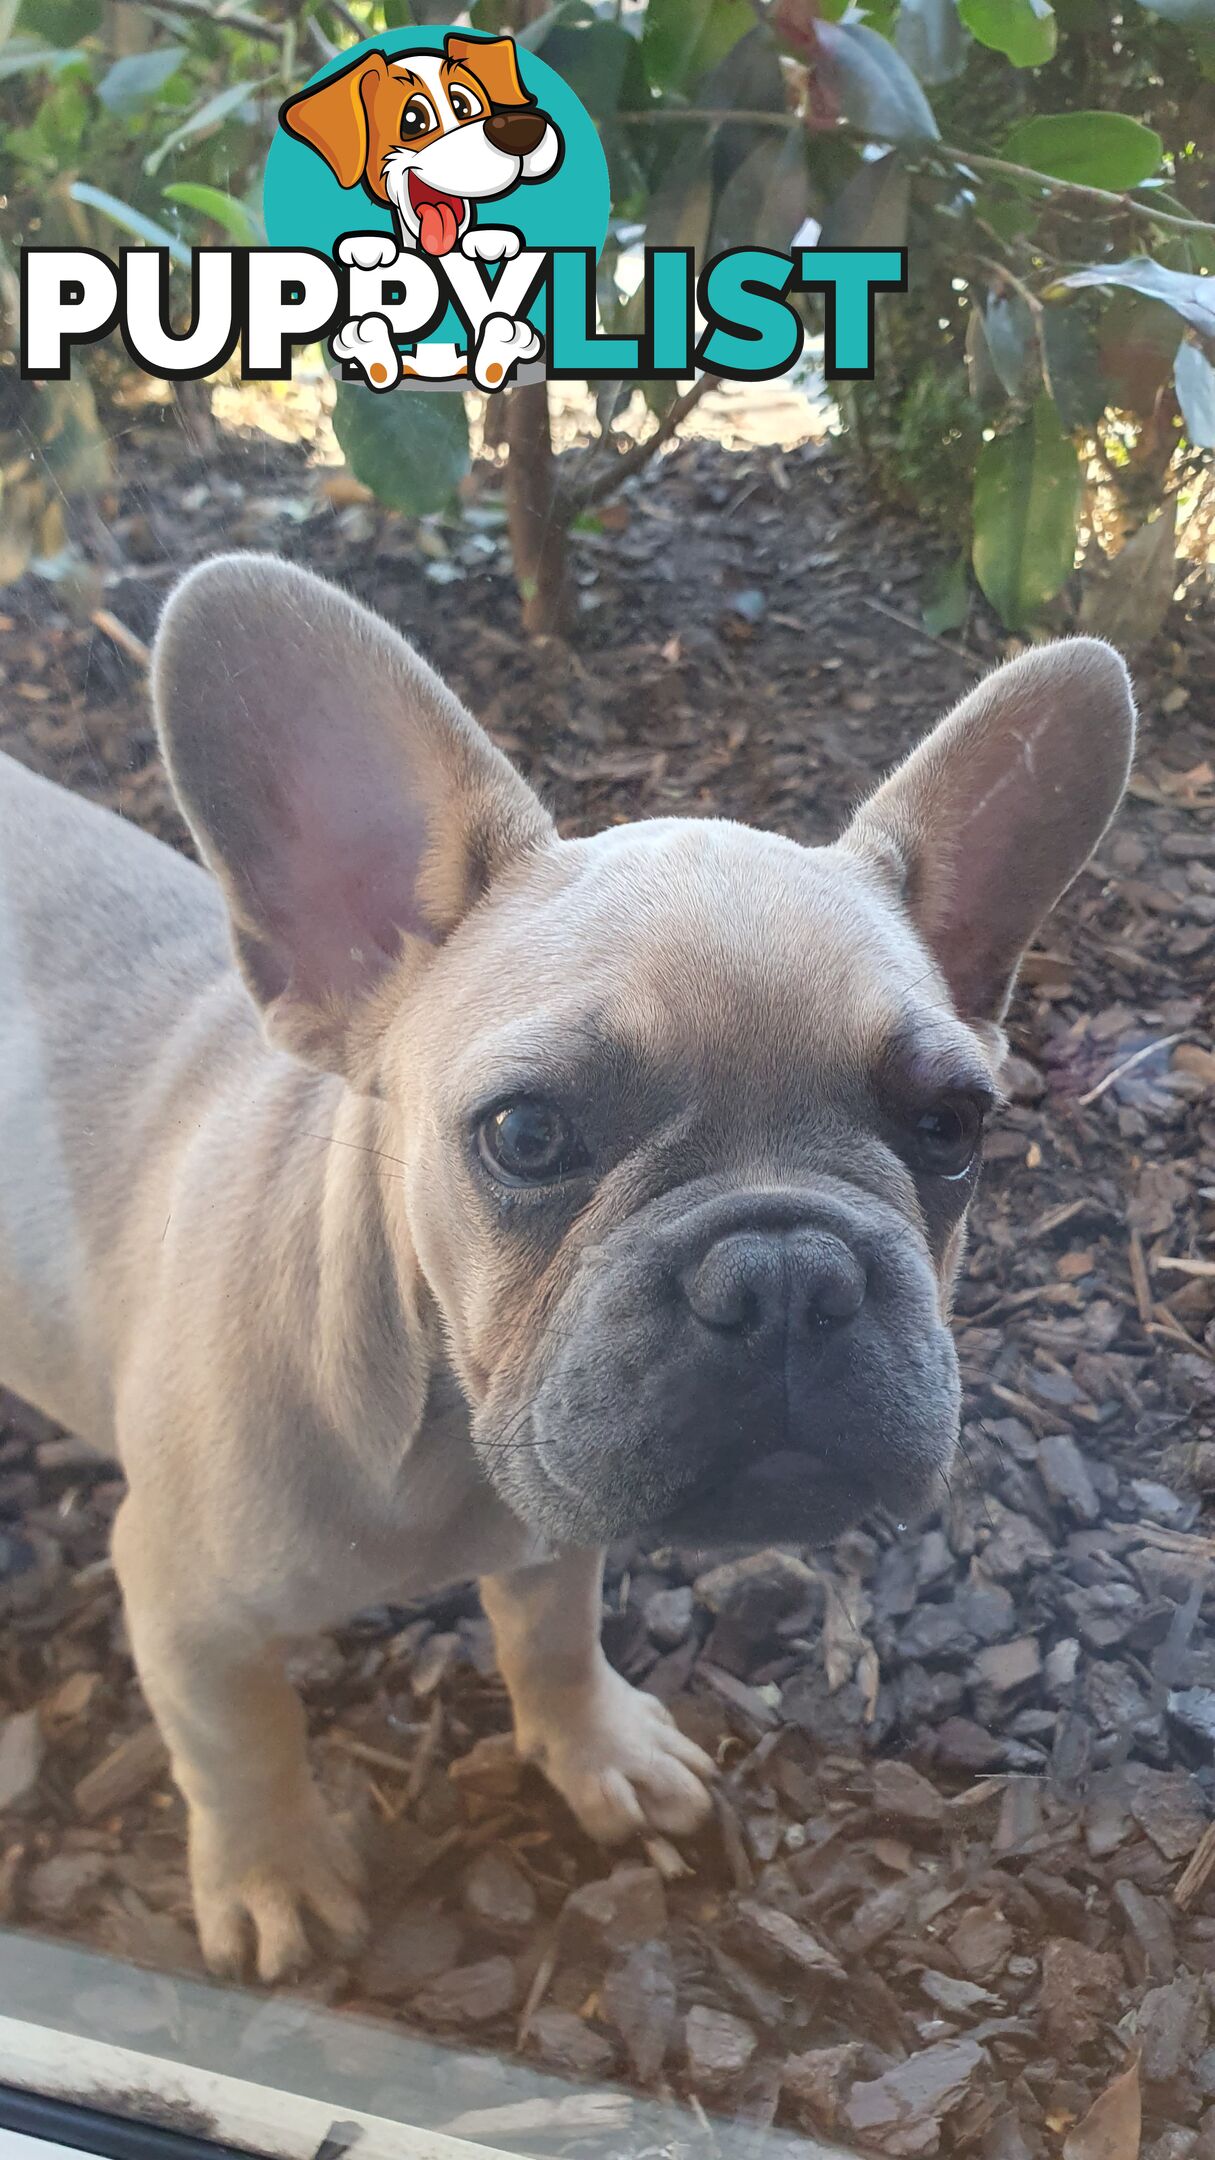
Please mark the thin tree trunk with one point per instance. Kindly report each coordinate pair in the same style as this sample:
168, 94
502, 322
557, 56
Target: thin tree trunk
535, 516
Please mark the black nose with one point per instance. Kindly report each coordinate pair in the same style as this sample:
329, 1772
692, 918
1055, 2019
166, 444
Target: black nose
515, 132
764, 1284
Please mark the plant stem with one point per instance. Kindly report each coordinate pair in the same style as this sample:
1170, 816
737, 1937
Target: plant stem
538, 521
227, 19
352, 23
1104, 196
634, 459
714, 117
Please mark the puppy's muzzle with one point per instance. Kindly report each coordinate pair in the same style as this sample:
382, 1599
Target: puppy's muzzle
770, 1288
739, 1363
516, 133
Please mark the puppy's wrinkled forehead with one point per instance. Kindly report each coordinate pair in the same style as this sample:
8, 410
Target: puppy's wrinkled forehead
702, 947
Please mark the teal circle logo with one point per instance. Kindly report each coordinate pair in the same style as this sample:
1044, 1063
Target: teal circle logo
421, 156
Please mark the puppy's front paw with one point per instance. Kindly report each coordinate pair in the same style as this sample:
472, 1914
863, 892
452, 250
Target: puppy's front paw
254, 1885
368, 343
619, 1760
492, 243
367, 250
503, 343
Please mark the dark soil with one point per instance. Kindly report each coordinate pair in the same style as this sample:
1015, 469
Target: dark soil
961, 1874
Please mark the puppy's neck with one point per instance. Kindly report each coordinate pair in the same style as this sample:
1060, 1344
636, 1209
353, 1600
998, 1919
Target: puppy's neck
376, 1345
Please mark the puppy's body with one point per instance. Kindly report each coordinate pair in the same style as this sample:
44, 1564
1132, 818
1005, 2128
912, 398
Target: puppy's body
190, 1214
425, 1196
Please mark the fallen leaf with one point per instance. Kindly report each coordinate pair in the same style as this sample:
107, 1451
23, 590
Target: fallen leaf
1113, 2127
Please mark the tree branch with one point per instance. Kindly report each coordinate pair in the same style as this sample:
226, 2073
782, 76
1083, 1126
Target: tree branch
708, 115
344, 15
637, 457
227, 19
1107, 199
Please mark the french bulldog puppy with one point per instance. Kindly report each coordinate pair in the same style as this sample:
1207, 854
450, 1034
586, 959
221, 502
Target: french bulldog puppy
411, 1194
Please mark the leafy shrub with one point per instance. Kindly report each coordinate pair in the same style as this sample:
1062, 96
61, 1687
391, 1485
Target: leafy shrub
1048, 375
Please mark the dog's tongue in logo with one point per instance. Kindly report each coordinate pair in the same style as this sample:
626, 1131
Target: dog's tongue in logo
439, 216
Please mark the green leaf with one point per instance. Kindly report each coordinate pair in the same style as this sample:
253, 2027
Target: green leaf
1025, 31
64, 116
946, 600
8, 18
602, 65
930, 36
1076, 384
136, 78
1190, 296
216, 109
1096, 149
682, 39
22, 55
871, 208
982, 376
60, 22
1194, 382
876, 89
129, 219
1026, 499
766, 198
677, 213
1010, 216
410, 447
1009, 329
229, 214
398, 15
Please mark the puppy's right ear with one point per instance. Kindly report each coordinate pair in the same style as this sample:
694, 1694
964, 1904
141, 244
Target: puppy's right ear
985, 825
351, 809
331, 117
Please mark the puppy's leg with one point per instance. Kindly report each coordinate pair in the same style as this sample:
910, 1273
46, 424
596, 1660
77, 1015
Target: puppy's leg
616, 1756
262, 1850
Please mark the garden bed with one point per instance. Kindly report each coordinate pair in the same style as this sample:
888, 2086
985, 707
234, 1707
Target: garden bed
960, 1877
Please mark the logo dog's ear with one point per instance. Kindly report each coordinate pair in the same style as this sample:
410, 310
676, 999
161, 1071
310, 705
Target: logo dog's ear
331, 117
493, 62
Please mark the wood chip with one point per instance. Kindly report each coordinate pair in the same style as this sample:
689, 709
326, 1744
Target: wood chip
127, 1771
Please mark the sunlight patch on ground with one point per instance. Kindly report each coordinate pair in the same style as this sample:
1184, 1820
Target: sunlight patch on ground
776, 415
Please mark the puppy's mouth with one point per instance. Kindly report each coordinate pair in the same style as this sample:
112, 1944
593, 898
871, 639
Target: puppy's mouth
439, 216
781, 1496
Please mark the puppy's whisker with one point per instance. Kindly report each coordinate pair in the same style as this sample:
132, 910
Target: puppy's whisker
360, 1147
502, 1444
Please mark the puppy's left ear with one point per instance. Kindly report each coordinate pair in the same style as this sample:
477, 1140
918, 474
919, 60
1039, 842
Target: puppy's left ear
494, 63
351, 809
986, 824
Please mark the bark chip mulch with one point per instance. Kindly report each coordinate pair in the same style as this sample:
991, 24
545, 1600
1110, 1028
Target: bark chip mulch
959, 1893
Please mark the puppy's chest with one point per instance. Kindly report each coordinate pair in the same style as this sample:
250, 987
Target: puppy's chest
438, 1521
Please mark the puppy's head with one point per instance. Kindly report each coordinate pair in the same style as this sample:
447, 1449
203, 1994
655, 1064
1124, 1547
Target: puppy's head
690, 1116
429, 133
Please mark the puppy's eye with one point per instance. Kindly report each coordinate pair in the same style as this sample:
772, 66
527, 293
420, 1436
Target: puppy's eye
464, 106
530, 1142
945, 1137
417, 117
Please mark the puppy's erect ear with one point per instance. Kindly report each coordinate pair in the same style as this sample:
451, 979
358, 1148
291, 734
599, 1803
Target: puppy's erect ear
351, 809
989, 820
332, 117
494, 63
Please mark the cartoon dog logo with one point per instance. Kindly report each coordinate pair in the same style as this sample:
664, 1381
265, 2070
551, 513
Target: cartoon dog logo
431, 135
